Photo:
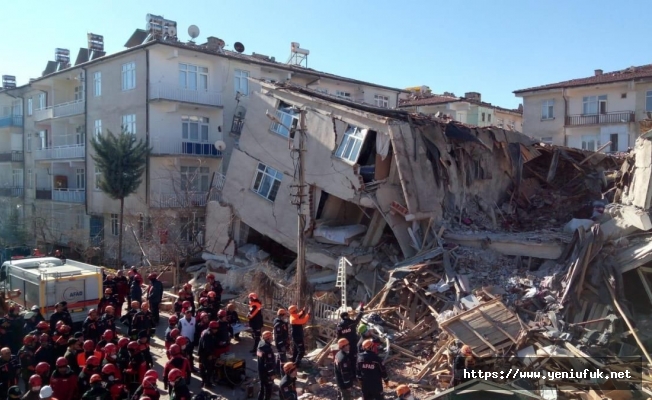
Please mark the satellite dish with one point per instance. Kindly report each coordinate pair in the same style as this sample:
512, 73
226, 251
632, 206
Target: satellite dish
220, 145
239, 47
193, 31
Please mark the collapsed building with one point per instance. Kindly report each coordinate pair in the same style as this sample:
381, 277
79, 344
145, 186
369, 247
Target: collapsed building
454, 233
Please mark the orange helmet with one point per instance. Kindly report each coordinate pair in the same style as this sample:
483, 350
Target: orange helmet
281, 312
267, 335
402, 390
466, 350
293, 309
212, 294
289, 367
342, 343
368, 344
253, 296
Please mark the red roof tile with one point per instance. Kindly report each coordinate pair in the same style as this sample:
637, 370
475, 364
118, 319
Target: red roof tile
631, 73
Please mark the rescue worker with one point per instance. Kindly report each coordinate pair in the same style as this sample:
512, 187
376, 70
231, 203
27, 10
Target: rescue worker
9, 368
122, 290
142, 321
366, 333
45, 352
216, 286
178, 384
177, 306
91, 368
91, 327
202, 325
288, 386
40, 328
107, 337
108, 300
14, 329
463, 360
4, 340
143, 342
224, 334
177, 361
347, 328
110, 352
404, 393
371, 372
189, 297
96, 390
14, 393
112, 376
148, 389
206, 351
128, 319
88, 350
205, 307
297, 320
109, 283
155, 296
255, 317
60, 314
233, 318
107, 320
61, 337
266, 366
213, 304
47, 393
74, 349
26, 357
170, 340
123, 353
173, 321
33, 385
187, 327
43, 370
136, 368
281, 335
32, 318
64, 381
135, 289
344, 370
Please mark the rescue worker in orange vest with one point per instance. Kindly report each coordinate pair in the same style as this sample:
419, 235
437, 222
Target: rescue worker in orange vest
297, 320
88, 351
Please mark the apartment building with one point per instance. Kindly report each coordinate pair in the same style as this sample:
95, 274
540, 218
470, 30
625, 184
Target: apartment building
187, 101
469, 109
589, 112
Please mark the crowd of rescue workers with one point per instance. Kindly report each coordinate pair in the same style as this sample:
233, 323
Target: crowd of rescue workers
52, 360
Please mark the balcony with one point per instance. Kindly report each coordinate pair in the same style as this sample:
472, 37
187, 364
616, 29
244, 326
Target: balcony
11, 192
11, 120
60, 111
69, 195
621, 117
184, 147
178, 200
12, 156
61, 152
43, 194
162, 91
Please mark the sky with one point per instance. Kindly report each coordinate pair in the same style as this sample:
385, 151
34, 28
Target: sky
491, 47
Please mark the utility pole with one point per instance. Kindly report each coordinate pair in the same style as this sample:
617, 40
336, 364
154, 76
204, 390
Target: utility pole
300, 201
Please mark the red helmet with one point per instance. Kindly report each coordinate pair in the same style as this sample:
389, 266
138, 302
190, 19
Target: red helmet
110, 348
149, 382
61, 362
152, 373
108, 335
42, 368
43, 326
213, 325
59, 323
253, 296
133, 346
35, 380
173, 320
186, 304
64, 329
89, 345
44, 338
175, 349
109, 369
152, 276
93, 361
187, 286
212, 294
174, 333
221, 313
210, 276
91, 311
174, 375
123, 342
96, 378
181, 340
202, 315
203, 300
29, 339
181, 292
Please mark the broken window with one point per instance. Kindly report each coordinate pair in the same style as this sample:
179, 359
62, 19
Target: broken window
267, 182
349, 148
288, 119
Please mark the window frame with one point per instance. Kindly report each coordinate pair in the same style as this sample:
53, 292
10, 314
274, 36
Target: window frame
547, 140
648, 101
267, 172
241, 81
194, 179
115, 224
28, 145
343, 95
587, 101
97, 83
585, 140
129, 123
287, 118
29, 179
42, 101
351, 143
30, 106
128, 76
97, 128
381, 101
98, 175
198, 71
203, 124
80, 178
549, 107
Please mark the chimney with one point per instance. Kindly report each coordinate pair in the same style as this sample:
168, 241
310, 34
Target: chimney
598, 72
473, 96
214, 43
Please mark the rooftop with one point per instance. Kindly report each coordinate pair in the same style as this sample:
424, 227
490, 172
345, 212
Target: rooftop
627, 74
434, 99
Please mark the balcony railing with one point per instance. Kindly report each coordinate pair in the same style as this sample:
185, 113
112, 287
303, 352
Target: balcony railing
180, 147
16, 156
61, 152
60, 110
11, 192
236, 126
162, 91
69, 195
189, 199
621, 117
43, 194
11, 120
218, 184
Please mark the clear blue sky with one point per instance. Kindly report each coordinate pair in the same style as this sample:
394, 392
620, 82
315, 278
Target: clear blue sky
492, 47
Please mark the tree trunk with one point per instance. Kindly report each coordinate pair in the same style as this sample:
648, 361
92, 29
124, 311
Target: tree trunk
122, 209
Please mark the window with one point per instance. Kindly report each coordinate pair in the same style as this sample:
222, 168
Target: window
547, 109
129, 123
129, 76
344, 95
511, 124
97, 84
194, 179
267, 182
41, 101
80, 135
590, 142
97, 130
488, 117
29, 106
29, 178
79, 93
43, 136
321, 90
592, 104
288, 119
241, 82
613, 138
81, 178
194, 128
98, 177
29, 142
191, 230
17, 177
482, 117
349, 149
115, 228
648, 100
546, 140
381, 101
193, 77
623, 95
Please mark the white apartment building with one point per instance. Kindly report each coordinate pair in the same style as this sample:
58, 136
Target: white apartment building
183, 99
588, 113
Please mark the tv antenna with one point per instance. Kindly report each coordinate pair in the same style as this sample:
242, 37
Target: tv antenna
193, 31
239, 47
